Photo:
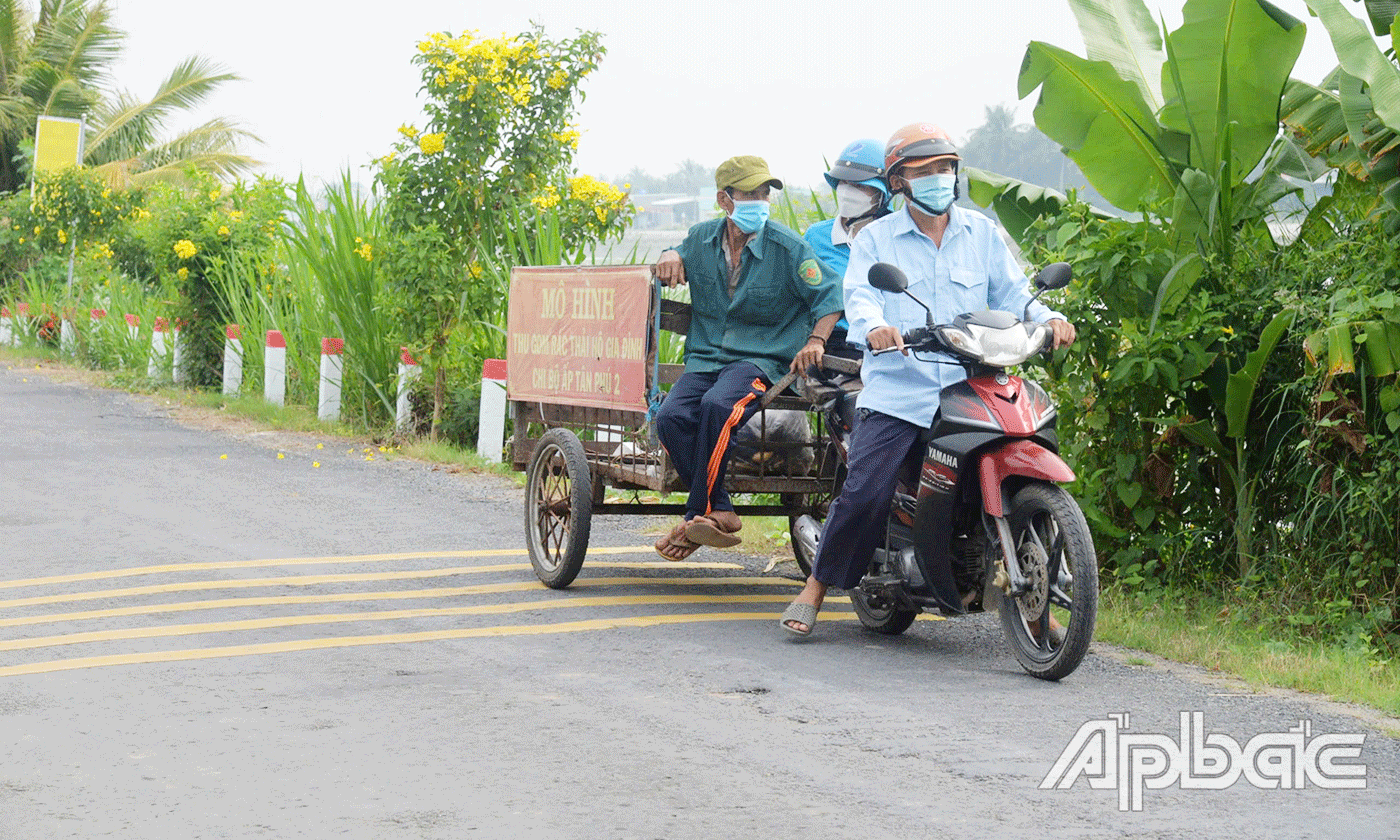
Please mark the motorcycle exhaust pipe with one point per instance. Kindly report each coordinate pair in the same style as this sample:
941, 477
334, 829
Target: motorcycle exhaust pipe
807, 533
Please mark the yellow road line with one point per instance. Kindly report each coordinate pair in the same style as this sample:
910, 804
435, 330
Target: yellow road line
389, 639
386, 615
349, 558
312, 580
391, 595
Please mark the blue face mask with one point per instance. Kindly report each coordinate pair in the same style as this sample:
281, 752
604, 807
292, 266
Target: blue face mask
933, 193
749, 216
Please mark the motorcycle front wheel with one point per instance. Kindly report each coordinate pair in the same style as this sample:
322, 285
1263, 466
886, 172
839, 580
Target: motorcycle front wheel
1056, 553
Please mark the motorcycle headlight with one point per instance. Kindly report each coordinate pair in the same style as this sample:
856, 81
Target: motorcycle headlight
965, 344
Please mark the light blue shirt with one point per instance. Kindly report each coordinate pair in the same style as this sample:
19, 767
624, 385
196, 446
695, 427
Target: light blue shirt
972, 270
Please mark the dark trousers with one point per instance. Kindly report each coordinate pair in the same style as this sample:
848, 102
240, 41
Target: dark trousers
855, 524
695, 423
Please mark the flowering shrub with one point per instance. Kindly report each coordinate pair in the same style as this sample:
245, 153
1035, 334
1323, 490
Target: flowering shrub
467, 188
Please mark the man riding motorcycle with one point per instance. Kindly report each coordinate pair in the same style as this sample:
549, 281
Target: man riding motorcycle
956, 261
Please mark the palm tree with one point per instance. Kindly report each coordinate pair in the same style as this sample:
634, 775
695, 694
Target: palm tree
125, 145
55, 62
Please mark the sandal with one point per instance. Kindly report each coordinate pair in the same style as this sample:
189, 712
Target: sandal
802, 614
676, 543
706, 531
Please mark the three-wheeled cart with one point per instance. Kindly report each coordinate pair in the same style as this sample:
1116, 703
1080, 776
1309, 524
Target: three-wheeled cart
583, 382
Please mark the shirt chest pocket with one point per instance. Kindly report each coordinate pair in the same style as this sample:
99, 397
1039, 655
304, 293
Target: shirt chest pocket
967, 290
758, 300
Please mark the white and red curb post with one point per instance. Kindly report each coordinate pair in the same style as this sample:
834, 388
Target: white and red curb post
155, 366
7, 327
20, 323
491, 428
332, 371
67, 333
133, 325
409, 370
233, 359
275, 368
177, 359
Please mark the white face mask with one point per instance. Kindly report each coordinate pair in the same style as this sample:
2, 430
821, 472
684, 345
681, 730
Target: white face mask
852, 201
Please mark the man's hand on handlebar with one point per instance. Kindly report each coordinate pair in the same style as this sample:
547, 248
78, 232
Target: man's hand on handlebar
1064, 333
884, 339
669, 269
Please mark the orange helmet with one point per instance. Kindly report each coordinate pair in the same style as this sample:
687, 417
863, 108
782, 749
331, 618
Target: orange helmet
917, 143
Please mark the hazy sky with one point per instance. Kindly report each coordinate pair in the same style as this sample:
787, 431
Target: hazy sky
327, 83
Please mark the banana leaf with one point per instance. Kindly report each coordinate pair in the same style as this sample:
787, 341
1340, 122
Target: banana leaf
1124, 33
1228, 63
1360, 57
1103, 123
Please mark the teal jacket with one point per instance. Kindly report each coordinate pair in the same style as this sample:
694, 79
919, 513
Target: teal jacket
783, 290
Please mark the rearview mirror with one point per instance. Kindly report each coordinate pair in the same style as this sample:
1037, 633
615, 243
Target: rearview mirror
1051, 277
888, 278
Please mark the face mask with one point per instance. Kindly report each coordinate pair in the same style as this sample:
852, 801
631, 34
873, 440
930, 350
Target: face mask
749, 216
933, 192
853, 202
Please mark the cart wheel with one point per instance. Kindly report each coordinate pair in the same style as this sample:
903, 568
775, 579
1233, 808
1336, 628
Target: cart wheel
558, 508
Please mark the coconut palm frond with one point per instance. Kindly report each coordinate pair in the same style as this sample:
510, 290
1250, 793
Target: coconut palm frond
14, 23
210, 147
187, 86
177, 172
80, 41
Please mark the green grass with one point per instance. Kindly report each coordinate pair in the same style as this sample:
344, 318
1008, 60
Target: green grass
1206, 631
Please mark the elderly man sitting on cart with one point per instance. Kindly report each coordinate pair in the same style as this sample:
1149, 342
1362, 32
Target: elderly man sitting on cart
762, 304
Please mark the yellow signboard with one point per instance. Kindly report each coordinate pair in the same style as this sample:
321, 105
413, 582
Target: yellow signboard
58, 143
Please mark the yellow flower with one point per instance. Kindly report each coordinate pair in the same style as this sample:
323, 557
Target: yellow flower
320, 446
236, 215
431, 144
223, 457
280, 456
475, 270
213, 195
182, 273
316, 464
365, 252
184, 249
1228, 330
223, 230
62, 237
556, 79
408, 131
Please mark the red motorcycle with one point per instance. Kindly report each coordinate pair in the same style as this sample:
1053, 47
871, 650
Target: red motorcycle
980, 521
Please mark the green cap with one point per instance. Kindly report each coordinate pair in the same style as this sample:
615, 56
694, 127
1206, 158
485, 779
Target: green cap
746, 173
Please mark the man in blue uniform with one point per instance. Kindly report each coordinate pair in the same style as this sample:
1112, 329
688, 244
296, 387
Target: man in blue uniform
957, 262
761, 304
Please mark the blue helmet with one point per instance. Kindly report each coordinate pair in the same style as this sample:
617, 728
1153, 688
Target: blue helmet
861, 162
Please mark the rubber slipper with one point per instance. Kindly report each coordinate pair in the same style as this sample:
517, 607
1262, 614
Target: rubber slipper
675, 541
706, 531
802, 614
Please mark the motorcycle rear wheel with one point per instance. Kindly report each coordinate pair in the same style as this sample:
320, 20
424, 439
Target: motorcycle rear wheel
890, 621
1051, 536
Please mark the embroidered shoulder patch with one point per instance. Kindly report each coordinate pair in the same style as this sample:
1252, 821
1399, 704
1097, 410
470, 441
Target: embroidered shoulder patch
810, 271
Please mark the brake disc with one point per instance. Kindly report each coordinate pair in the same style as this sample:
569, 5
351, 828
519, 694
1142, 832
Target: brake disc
1033, 561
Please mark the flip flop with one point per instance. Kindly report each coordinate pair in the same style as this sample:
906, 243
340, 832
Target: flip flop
677, 542
802, 614
706, 531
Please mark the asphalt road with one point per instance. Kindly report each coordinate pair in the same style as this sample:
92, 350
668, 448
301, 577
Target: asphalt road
205, 635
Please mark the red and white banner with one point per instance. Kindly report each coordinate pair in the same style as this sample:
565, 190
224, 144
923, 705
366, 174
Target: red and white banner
577, 335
